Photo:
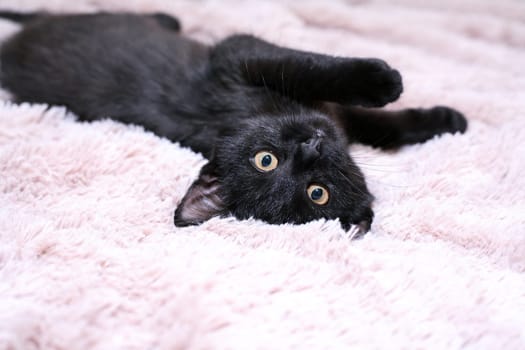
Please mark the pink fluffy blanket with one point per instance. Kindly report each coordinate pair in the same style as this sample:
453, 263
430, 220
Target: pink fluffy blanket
90, 259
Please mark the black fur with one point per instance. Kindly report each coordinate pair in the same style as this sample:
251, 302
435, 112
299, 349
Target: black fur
18, 17
228, 101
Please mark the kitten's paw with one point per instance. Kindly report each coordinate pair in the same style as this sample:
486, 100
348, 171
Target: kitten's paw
167, 21
373, 83
423, 124
446, 119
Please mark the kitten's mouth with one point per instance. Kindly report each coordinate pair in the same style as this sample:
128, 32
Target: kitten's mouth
357, 231
358, 228
364, 225
362, 228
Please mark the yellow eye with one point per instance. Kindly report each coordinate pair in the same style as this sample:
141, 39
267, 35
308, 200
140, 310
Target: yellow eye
265, 161
318, 194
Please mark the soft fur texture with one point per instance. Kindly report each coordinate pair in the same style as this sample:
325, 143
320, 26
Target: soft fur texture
90, 259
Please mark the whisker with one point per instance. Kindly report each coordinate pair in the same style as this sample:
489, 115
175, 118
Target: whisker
357, 189
269, 93
385, 184
380, 167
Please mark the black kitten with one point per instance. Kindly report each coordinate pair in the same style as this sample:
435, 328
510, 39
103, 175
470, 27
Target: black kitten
273, 122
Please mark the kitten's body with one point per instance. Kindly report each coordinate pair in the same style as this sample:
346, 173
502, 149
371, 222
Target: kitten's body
230, 102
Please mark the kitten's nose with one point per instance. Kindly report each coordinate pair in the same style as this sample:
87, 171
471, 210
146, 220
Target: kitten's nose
311, 149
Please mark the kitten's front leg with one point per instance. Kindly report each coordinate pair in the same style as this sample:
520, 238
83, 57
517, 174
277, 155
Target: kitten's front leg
366, 82
393, 129
306, 76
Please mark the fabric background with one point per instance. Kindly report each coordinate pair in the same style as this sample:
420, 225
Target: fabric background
90, 259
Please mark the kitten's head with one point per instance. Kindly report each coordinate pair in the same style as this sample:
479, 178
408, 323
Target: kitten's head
291, 169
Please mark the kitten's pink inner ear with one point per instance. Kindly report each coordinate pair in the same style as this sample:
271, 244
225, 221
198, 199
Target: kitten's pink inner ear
201, 202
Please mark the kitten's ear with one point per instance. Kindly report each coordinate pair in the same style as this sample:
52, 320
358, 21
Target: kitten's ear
202, 201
